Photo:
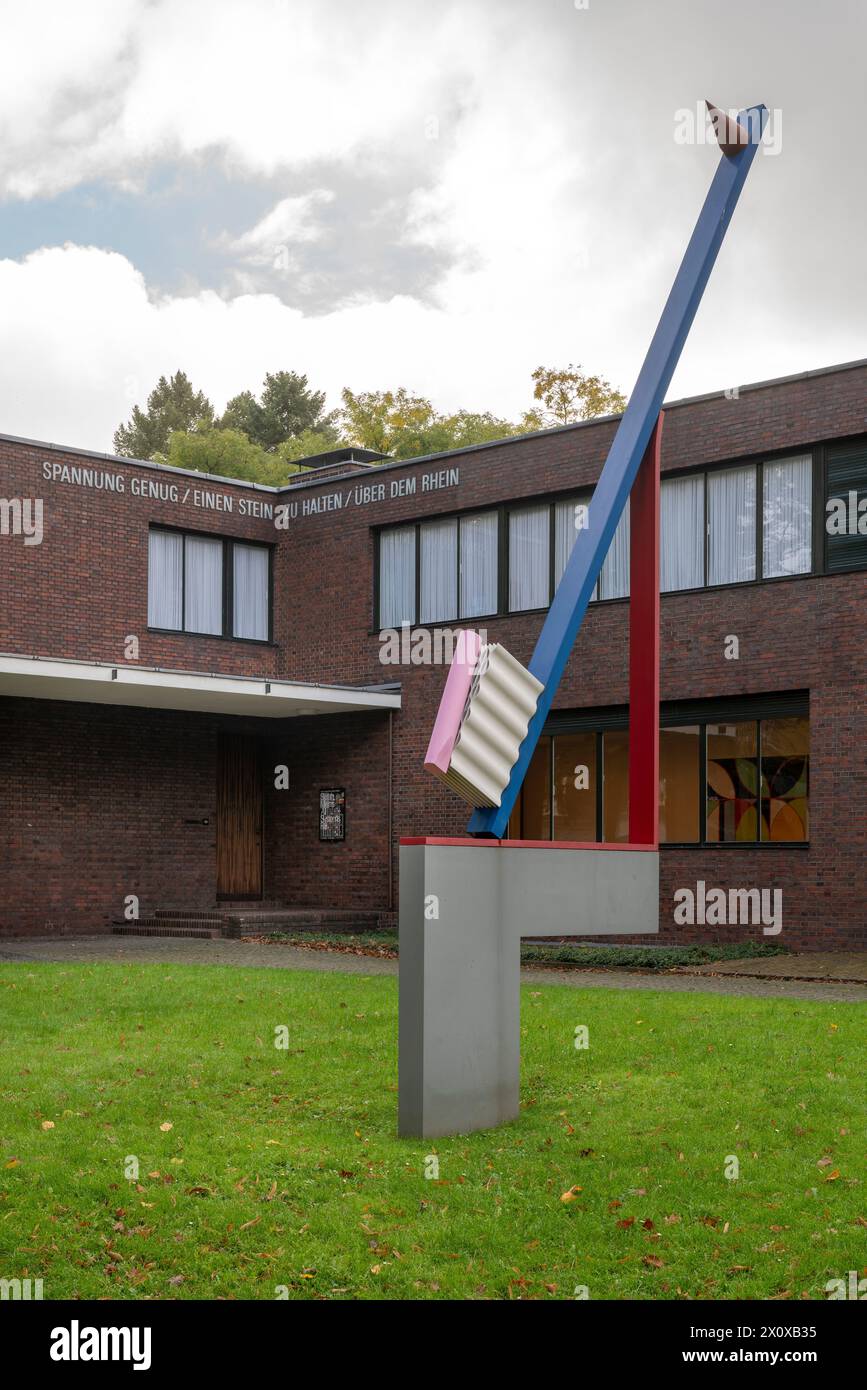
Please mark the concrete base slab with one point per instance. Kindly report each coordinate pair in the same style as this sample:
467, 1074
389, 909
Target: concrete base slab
464, 907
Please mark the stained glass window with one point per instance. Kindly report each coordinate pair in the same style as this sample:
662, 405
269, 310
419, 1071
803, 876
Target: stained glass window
732, 781
785, 779
756, 785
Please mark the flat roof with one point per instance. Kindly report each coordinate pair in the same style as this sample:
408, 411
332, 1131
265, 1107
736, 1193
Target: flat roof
150, 687
345, 453
424, 458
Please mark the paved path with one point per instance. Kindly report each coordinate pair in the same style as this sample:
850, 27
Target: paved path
847, 966
196, 951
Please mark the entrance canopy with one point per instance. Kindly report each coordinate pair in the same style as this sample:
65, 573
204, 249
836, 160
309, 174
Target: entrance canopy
38, 678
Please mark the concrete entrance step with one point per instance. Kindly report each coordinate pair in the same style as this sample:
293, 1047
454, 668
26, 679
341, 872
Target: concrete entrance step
300, 919
253, 919
152, 926
176, 914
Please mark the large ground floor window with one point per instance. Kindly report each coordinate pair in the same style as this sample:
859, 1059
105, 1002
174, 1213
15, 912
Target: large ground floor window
735, 772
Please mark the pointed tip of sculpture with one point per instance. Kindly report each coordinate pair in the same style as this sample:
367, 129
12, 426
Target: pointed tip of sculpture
731, 135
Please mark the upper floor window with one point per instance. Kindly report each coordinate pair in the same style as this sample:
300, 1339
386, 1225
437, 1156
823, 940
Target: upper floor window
439, 571
719, 526
529, 564
846, 507
759, 523
208, 585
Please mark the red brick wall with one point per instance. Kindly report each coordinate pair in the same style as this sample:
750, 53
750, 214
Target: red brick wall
349, 751
97, 803
84, 590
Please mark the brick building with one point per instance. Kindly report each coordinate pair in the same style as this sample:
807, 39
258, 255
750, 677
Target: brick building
195, 711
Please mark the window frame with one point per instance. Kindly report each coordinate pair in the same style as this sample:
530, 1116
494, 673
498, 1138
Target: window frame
584, 495
757, 709
417, 525
227, 597
821, 537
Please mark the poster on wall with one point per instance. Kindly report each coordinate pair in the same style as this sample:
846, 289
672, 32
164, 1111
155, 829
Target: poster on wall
332, 814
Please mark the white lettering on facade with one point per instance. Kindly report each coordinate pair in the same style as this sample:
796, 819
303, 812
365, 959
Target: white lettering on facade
160, 490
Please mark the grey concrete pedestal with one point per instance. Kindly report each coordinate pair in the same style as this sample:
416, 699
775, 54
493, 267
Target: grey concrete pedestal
464, 907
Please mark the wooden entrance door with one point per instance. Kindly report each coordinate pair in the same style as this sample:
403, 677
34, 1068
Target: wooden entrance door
239, 816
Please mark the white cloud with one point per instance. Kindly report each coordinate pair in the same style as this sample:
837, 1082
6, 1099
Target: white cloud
272, 84
540, 143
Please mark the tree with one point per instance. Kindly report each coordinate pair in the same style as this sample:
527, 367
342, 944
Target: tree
172, 405
469, 427
568, 394
378, 419
229, 454
244, 413
404, 426
286, 408
305, 445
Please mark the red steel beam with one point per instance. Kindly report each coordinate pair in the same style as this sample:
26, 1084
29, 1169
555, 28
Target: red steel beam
644, 646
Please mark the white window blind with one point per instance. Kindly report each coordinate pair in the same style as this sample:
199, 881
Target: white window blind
250, 592
787, 517
731, 515
165, 579
681, 525
438, 559
614, 575
478, 565
397, 577
203, 585
528, 558
568, 518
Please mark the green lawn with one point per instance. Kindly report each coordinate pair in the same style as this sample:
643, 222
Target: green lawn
262, 1167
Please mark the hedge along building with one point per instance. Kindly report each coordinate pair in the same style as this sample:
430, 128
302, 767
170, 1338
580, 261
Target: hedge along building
202, 710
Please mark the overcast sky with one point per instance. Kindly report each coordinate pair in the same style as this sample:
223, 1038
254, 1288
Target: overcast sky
398, 192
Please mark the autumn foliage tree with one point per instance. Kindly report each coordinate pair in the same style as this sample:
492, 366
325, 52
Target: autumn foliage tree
567, 394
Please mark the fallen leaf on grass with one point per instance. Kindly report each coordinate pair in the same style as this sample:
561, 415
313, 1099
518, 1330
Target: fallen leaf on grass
47, 1124
247, 1224
653, 1261
166, 1126
571, 1194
